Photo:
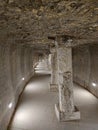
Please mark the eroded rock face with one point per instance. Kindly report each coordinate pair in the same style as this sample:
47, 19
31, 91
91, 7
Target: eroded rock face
30, 22
54, 67
66, 101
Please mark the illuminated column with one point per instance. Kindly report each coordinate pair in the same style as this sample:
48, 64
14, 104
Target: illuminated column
50, 62
65, 109
54, 70
47, 61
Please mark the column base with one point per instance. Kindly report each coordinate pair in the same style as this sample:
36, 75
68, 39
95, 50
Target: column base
63, 117
54, 87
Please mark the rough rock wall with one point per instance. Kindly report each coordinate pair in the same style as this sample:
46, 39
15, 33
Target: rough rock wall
16, 63
32, 21
85, 67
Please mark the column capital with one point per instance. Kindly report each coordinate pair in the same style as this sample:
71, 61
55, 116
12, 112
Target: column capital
63, 41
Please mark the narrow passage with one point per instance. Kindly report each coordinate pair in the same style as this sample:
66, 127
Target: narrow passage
36, 107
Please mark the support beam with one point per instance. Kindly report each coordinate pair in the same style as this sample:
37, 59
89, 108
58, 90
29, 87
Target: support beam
65, 109
54, 70
46, 59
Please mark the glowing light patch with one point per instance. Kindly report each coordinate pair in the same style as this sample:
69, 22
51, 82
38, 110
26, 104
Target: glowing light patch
10, 105
94, 84
23, 78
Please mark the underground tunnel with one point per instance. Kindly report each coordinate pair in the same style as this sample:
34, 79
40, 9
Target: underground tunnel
48, 65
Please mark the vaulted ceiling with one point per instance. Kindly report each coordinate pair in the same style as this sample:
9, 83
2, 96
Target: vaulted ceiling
30, 22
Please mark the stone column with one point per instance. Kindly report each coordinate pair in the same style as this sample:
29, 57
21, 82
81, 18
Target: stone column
65, 109
47, 61
54, 70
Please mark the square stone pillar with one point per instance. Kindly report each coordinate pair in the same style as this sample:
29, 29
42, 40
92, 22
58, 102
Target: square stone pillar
46, 60
65, 109
54, 70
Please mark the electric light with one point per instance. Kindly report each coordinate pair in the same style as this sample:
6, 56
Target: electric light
23, 78
10, 105
94, 84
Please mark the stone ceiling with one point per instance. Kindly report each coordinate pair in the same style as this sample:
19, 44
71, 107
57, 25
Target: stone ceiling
30, 22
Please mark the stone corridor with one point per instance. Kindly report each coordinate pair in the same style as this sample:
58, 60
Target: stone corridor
35, 110
46, 46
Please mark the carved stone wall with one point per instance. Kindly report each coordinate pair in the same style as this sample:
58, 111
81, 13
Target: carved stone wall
16, 68
85, 67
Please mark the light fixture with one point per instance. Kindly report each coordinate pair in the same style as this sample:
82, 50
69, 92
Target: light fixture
10, 105
94, 84
23, 78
